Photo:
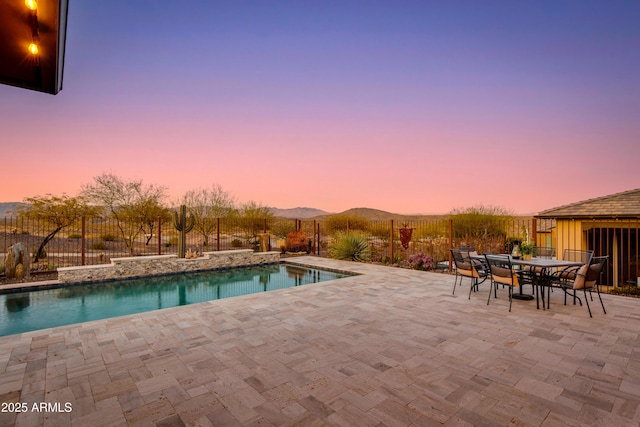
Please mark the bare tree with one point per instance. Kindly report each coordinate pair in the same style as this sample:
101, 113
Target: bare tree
207, 204
56, 211
127, 201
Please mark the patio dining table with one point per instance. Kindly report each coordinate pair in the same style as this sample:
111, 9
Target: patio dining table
541, 276
543, 272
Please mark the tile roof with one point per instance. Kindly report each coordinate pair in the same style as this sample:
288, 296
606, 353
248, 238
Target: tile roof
618, 205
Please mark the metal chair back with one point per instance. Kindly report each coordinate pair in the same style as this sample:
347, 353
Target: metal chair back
577, 255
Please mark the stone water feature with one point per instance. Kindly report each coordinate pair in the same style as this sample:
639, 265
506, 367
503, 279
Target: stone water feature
129, 267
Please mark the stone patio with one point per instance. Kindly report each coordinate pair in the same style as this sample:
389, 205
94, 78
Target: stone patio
389, 347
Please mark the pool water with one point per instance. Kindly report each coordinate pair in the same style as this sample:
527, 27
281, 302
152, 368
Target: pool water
40, 309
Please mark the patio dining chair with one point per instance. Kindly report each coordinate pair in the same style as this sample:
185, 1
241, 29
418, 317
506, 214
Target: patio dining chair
467, 247
528, 272
467, 267
577, 255
502, 273
569, 273
586, 279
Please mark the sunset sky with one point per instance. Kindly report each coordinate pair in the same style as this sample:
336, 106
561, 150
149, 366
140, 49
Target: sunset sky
406, 106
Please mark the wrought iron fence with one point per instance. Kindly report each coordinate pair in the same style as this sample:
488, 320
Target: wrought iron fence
96, 240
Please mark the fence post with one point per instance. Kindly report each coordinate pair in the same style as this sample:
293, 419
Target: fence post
318, 244
314, 235
83, 241
391, 243
218, 234
450, 244
159, 235
265, 226
534, 231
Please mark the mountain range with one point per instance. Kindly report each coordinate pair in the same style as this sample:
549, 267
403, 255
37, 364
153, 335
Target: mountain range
298, 213
368, 213
9, 208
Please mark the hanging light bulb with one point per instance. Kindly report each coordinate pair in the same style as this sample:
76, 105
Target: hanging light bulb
33, 48
31, 4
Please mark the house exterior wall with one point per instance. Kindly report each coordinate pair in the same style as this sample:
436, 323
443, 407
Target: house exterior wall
569, 235
619, 239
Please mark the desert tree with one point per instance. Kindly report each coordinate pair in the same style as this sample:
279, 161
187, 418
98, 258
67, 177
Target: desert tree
206, 205
253, 216
56, 212
131, 203
151, 213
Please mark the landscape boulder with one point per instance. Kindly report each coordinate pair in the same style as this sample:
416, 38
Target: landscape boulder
17, 263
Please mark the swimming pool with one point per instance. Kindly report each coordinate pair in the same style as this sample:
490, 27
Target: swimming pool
40, 309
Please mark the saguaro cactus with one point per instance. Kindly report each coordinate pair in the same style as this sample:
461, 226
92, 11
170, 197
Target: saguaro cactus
183, 224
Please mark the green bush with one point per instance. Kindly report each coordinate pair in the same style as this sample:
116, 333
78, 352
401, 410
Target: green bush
236, 243
75, 236
353, 246
98, 246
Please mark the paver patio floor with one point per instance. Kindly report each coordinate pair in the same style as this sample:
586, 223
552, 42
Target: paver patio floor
389, 347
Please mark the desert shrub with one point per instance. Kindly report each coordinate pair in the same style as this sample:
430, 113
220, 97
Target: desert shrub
171, 241
397, 259
75, 236
236, 243
281, 229
627, 291
353, 246
380, 230
98, 245
297, 242
335, 223
421, 262
108, 237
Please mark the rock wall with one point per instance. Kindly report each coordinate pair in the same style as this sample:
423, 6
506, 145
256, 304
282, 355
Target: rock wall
123, 268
